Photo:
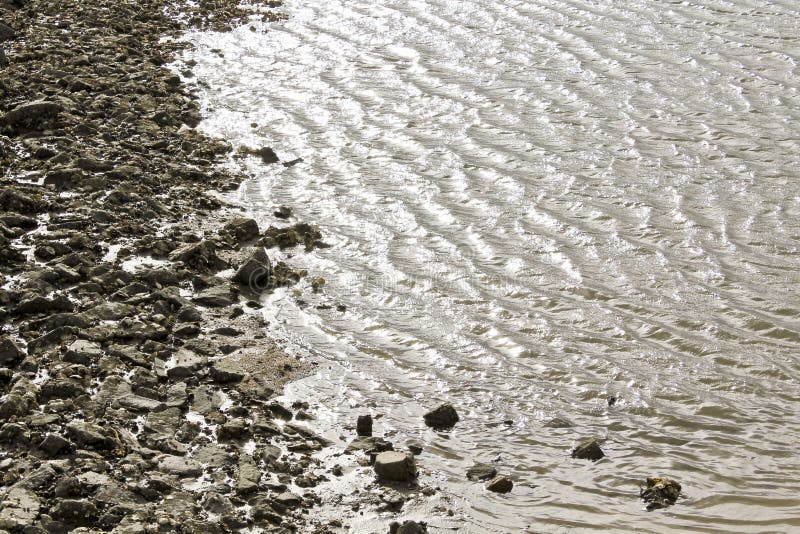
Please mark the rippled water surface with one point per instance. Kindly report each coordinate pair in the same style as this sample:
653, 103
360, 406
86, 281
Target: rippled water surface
533, 206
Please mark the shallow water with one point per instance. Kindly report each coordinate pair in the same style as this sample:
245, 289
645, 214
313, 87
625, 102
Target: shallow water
533, 206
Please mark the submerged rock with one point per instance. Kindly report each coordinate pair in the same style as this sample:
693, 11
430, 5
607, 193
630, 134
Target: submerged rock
500, 485
659, 492
395, 466
408, 527
445, 416
481, 472
588, 450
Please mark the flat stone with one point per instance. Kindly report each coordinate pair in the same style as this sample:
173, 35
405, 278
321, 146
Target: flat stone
163, 423
395, 466
82, 352
444, 416
227, 372
20, 509
500, 485
288, 499
186, 364
136, 403
368, 444
218, 296
87, 434
34, 115
179, 466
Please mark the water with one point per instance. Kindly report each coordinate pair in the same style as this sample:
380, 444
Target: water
533, 206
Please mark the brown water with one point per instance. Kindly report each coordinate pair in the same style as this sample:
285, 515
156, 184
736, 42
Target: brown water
533, 206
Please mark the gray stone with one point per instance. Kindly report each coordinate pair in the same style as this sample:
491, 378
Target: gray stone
241, 229
395, 466
500, 485
287, 499
444, 416
368, 444
218, 296
82, 352
75, 512
201, 256
249, 476
87, 435
136, 403
20, 509
186, 364
163, 423
226, 372
178, 466
188, 314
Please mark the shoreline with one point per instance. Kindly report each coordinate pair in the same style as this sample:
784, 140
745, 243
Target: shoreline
137, 381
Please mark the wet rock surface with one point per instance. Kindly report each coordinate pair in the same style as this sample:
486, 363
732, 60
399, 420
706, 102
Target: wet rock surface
443, 417
588, 449
659, 492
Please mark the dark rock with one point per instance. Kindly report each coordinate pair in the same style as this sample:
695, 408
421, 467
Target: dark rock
186, 364
75, 512
256, 272
283, 212
218, 296
588, 450
267, 155
279, 411
10, 352
88, 435
188, 314
200, 256
444, 416
364, 425
500, 485
53, 444
287, 500
33, 304
291, 236
292, 163
408, 527
481, 472
6, 32
82, 352
395, 466
241, 229
659, 492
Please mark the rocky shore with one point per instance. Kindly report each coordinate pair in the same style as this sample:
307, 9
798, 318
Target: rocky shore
136, 379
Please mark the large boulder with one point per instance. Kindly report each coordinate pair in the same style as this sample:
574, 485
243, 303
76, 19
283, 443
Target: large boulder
395, 466
201, 256
241, 229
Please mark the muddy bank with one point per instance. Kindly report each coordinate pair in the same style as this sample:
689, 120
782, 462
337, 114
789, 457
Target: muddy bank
136, 378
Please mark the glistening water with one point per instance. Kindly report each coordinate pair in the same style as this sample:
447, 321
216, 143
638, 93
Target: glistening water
533, 206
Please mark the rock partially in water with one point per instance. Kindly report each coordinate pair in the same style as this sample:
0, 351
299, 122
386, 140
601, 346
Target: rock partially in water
408, 527
588, 450
481, 472
395, 466
256, 272
445, 416
283, 212
241, 229
659, 492
368, 444
500, 485
364, 425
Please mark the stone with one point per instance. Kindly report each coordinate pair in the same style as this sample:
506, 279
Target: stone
218, 296
88, 435
6, 32
241, 229
500, 485
481, 472
188, 314
267, 155
186, 364
82, 352
364, 425
287, 499
227, 372
444, 416
408, 527
136, 403
588, 450
368, 444
256, 272
180, 467
20, 508
75, 512
36, 115
659, 492
201, 256
395, 466
53, 444
10, 352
